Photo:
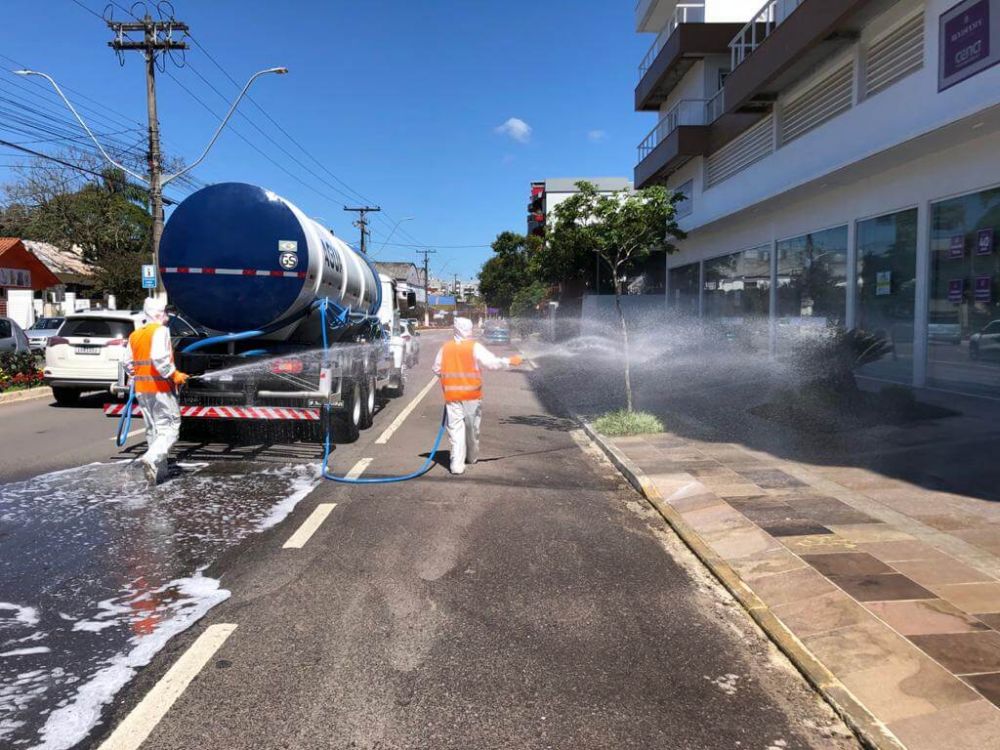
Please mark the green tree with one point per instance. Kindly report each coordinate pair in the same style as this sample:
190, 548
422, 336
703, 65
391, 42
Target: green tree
507, 272
107, 218
620, 228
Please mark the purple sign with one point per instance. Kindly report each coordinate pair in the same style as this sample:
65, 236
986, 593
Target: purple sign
984, 288
984, 242
955, 289
957, 247
966, 42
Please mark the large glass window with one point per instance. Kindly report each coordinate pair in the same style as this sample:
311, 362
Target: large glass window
887, 266
963, 345
812, 282
683, 292
737, 294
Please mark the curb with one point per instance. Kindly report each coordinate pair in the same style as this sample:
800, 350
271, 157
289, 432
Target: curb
870, 731
25, 395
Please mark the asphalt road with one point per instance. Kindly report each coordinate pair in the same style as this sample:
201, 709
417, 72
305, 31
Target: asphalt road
534, 602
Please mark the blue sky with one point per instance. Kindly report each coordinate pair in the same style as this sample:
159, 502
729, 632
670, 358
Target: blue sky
400, 99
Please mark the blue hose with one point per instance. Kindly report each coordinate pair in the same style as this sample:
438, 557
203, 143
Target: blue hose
125, 421
326, 439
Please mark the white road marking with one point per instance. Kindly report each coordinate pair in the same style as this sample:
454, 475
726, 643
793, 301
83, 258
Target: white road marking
398, 421
134, 432
359, 468
309, 526
138, 725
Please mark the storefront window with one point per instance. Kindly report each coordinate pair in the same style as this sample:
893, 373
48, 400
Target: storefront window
683, 292
812, 281
963, 346
737, 294
887, 265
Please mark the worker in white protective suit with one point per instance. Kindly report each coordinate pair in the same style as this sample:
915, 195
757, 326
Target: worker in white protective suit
459, 366
149, 359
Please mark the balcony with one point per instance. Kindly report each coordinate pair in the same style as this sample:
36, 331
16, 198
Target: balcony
673, 54
678, 137
653, 15
682, 14
785, 41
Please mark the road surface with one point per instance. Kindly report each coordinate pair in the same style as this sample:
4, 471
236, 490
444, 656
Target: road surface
534, 602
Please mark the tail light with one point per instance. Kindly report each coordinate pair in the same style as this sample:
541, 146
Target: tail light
117, 342
406, 337
286, 366
56, 340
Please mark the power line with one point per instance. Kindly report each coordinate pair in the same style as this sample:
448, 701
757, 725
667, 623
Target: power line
441, 247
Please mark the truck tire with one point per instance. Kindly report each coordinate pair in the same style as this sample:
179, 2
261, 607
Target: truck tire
368, 393
66, 396
347, 421
397, 385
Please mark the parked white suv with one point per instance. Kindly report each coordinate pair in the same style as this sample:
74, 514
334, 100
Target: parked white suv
84, 354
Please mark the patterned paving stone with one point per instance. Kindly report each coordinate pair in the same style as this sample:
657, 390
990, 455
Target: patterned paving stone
869, 532
819, 544
928, 572
908, 549
988, 686
765, 562
796, 585
974, 598
990, 620
852, 649
883, 587
925, 617
963, 653
796, 527
741, 542
968, 726
821, 613
847, 563
771, 478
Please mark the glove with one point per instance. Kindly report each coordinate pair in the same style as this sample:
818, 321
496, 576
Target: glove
516, 360
179, 378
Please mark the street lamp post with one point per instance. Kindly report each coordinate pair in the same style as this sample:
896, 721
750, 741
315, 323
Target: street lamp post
155, 180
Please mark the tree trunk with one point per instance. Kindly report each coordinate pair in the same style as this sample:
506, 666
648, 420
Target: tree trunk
625, 347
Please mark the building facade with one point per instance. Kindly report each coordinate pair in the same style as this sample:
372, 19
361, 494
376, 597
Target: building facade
840, 161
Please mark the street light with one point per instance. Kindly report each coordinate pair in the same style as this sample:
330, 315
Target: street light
155, 180
392, 232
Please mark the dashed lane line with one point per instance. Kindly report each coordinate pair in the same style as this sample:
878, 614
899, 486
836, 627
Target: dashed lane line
359, 468
398, 421
304, 533
131, 434
138, 725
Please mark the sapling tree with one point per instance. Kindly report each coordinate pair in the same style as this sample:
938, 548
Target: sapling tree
622, 228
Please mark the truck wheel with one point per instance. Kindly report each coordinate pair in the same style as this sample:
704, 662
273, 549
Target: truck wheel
347, 422
398, 385
66, 396
368, 403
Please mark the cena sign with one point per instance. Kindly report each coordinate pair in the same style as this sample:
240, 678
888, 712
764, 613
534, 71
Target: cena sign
969, 38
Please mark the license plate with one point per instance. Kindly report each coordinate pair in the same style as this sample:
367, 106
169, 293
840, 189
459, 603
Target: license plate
87, 349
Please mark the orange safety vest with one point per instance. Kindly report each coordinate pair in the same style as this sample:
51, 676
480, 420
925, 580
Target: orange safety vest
461, 378
145, 376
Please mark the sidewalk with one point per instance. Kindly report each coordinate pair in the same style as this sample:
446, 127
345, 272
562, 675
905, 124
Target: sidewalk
891, 586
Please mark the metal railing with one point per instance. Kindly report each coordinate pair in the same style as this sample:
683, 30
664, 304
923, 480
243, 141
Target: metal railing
684, 13
715, 106
685, 112
759, 28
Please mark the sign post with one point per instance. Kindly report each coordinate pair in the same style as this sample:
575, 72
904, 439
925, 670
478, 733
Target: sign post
148, 276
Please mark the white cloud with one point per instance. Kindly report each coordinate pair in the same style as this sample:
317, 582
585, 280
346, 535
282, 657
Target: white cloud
596, 136
515, 128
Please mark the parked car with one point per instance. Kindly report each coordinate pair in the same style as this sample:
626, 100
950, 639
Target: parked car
40, 333
986, 343
496, 334
12, 337
85, 353
947, 333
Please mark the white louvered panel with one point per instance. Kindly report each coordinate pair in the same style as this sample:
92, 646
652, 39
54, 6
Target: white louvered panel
824, 101
751, 146
895, 56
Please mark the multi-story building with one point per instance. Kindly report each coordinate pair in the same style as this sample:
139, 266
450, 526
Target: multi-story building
840, 161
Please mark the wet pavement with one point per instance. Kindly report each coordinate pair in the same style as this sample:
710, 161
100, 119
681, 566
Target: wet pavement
99, 571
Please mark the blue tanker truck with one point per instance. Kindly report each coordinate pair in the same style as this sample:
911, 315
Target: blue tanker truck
296, 327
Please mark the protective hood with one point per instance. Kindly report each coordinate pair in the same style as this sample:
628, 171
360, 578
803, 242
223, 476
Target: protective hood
463, 328
155, 310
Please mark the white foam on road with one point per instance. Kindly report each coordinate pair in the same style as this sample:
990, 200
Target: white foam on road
23, 615
26, 651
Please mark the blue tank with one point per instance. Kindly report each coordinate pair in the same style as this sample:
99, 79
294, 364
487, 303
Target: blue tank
237, 257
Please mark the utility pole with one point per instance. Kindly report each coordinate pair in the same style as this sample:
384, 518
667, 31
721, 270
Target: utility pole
427, 253
362, 223
157, 37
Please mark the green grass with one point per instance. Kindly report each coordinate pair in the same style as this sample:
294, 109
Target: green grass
623, 423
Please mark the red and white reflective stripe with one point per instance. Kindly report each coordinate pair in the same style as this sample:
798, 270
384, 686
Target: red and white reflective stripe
229, 412
233, 272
